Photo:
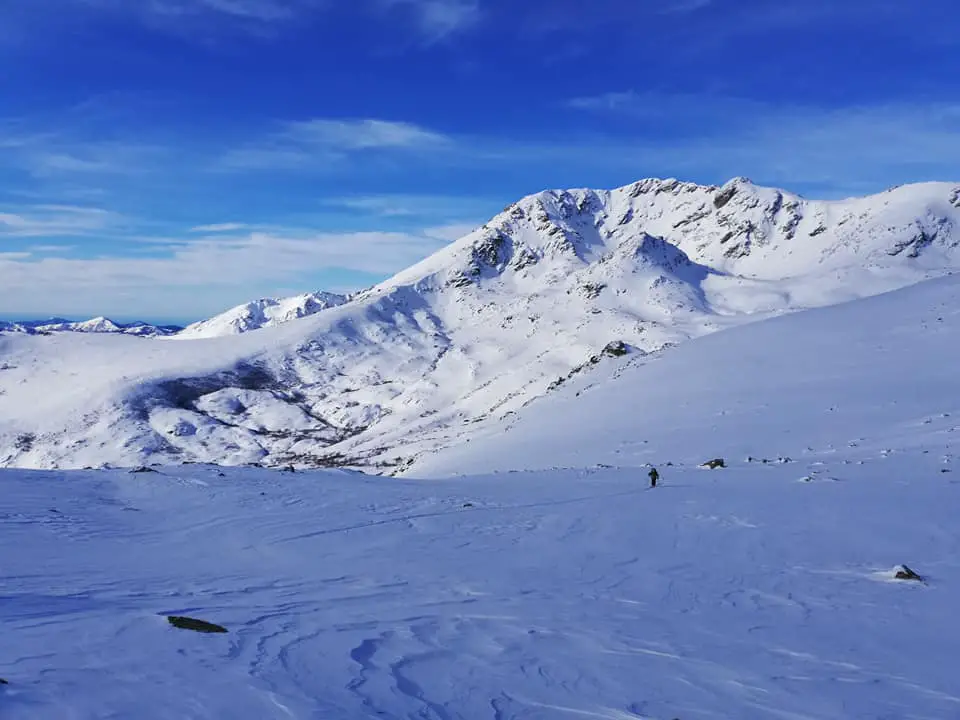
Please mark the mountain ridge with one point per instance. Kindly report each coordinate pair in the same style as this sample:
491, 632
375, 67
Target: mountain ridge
261, 313
482, 328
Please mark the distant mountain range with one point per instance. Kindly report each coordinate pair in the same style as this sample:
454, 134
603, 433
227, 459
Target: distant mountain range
554, 287
94, 325
254, 315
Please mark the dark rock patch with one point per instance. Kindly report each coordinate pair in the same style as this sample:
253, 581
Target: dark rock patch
905, 573
724, 196
617, 348
200, 626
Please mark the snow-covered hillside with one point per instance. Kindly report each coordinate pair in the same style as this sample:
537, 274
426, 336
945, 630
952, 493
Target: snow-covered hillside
866, 381
266, 312
94, 325
556, 288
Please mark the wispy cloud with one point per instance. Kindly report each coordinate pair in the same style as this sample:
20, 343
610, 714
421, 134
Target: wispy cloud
64, 152
266, 11
437, 20
415, 206
685, 6
56, 221
325, 142
27, 22
363, 134
431, 20
218, 228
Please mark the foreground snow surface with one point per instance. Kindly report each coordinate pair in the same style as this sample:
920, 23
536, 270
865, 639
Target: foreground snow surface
759, 591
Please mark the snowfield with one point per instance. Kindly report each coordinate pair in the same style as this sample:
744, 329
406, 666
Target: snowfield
742, 593
558, 587
550, 291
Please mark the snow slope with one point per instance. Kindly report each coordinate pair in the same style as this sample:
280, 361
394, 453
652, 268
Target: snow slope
868, 378
266, 312
473, 334
540, 596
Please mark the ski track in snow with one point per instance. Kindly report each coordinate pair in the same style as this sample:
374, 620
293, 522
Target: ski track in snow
738, 593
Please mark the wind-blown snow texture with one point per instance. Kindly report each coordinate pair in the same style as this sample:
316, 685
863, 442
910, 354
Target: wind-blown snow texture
471, 335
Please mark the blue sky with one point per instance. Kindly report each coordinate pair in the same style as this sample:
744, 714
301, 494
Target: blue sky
165, 159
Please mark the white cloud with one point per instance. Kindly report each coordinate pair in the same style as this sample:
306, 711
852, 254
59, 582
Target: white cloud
200, 277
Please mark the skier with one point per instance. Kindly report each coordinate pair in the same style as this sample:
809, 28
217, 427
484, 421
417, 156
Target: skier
654, 476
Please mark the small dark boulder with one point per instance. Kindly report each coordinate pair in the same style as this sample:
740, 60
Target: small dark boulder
467, 505
617, 348
142, 469
905, 573
3, 682
715, 464
200, 626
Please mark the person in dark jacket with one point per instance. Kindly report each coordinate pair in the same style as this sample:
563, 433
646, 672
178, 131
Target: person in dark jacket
654, 476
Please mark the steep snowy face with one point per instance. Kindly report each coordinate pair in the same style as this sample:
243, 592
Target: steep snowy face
555, 287
739, 228
265, 312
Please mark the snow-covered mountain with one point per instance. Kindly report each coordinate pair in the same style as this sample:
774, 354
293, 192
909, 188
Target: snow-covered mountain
776, 587
94, 325
553, 288
265, 312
